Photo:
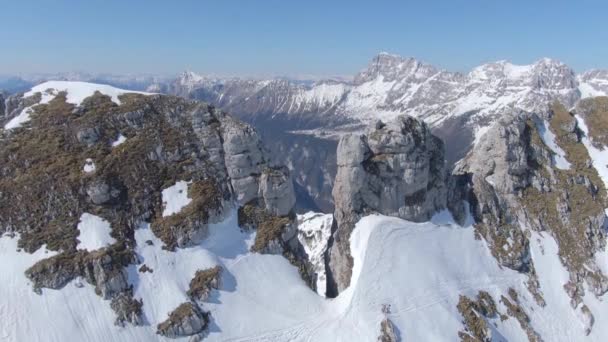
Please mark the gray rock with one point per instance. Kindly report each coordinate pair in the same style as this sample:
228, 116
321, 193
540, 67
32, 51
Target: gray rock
185, 320
2, 106
387, 331
98, 192
276, 188
127, 309
398, 170
88, 136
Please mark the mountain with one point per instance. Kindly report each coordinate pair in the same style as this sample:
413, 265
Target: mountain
301, 121
137, 216
458, 107
21, 83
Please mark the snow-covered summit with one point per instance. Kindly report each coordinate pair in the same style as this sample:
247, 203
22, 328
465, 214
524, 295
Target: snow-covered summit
391, 85
77, 91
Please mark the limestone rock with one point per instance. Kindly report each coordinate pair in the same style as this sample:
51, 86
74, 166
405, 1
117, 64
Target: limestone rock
127, 309
387, 331
204, 282
276, 188
88, 136
186, 320
396, 169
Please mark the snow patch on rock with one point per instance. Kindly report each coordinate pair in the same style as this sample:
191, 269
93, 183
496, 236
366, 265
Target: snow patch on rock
175, 198
559, 156
89, 166
77, 91
94, 232
314, 230
19, 120
599, 158
121, 139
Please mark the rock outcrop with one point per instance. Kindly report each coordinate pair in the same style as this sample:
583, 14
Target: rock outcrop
186, 320
44, 189
396, 169
387, 331
204, 282
514, 185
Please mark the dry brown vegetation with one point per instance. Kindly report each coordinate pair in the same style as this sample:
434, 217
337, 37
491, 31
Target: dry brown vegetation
203, 282
269, 227
206, 199
584, 202
595, 114
179, 315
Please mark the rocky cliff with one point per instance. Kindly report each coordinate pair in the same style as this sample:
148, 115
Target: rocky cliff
74, 153
531, 174
395, 169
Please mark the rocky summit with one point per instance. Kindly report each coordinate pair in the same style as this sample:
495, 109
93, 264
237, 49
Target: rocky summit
122, 158
396, 169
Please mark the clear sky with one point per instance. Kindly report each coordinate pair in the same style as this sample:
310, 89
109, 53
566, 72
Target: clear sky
289, 37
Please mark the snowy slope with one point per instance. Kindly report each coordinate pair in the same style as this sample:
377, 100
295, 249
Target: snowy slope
76, 92
419, 269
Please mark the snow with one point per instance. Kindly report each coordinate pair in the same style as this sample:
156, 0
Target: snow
314, 230
175, 198
480, 132
121, 139
419, 269
513, 71
559, 156
94, 233
89, 166
19, 120
164, 289
587, 90
77, 91
599, 157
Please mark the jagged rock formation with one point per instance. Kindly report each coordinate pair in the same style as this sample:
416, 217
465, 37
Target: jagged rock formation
519, 178
397, 169
62, 156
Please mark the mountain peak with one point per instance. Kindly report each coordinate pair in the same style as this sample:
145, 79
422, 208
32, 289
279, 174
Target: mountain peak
392, 67
190, 77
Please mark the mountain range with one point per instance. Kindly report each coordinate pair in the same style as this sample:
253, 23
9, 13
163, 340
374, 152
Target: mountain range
301, 121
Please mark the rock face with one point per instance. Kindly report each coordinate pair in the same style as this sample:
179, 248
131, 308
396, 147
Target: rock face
515, 183
44, 190
396, 169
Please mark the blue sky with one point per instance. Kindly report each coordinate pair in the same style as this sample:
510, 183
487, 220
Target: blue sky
272, 37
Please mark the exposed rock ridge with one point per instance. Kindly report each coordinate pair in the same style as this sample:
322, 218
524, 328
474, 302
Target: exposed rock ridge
514, 185
44, 190
395, 169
